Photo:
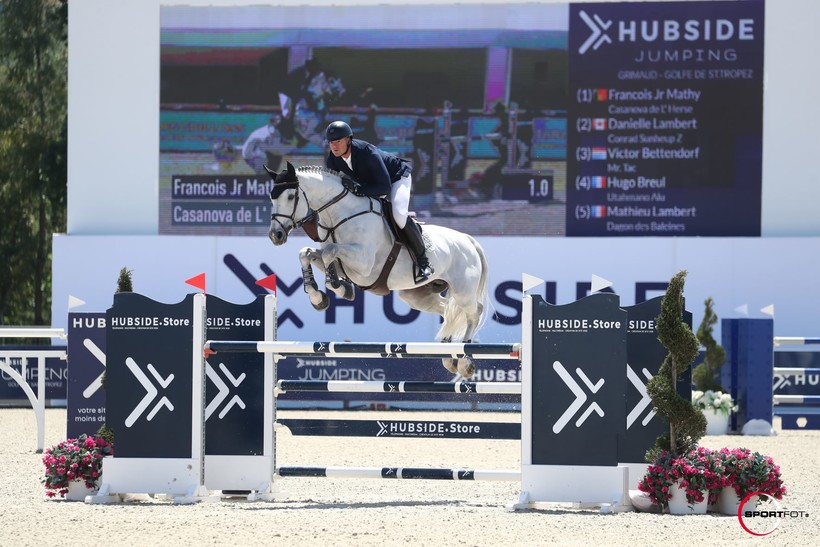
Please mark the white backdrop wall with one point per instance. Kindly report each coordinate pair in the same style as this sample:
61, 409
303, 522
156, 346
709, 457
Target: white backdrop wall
113, 196
734, 271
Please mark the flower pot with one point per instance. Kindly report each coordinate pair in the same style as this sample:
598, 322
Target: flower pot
678, 504
77, 491
729, 502
717, 422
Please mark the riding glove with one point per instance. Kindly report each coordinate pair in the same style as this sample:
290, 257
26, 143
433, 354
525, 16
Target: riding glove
352, 186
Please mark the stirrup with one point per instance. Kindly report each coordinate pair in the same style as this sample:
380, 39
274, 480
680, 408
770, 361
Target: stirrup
423, 273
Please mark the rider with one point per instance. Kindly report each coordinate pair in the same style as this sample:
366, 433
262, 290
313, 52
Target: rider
377, 173
264, 146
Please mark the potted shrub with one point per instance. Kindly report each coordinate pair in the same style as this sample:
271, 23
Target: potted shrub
667, 459
717, 404
686, 425
684, 484
716, 407
77, 460
745, 473
706, 375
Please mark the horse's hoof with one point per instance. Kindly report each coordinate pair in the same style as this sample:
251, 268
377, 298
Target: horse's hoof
450, 364
323, 304
466, 367
350, 292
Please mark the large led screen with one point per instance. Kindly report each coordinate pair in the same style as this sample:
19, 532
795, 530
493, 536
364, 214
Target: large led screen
593, 119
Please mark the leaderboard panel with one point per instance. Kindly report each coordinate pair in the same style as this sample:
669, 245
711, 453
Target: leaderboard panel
665, 119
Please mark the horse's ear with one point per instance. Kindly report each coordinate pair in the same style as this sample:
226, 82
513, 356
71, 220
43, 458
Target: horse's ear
291, 170
270, 172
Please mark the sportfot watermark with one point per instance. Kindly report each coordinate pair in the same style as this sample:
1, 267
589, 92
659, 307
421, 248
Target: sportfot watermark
766, 516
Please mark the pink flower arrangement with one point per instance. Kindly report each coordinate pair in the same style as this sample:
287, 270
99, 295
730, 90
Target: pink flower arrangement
747, 472
705, 470
77, 459
698, 472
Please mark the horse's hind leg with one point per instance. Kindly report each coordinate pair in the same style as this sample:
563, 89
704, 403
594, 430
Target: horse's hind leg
427, 300
448, 362
308, 256
466, 365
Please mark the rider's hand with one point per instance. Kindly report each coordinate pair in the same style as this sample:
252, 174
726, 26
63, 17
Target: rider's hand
352, 186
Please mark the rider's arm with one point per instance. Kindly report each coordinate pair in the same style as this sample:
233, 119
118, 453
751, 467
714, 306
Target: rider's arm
377, 181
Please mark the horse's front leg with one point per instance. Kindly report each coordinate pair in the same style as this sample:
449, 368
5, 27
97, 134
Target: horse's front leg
357, 259
308, 257
341, 287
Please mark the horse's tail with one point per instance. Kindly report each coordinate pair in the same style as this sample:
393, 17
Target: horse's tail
482, 296
458, 324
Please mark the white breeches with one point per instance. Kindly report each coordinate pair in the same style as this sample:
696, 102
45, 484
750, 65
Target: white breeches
400, 199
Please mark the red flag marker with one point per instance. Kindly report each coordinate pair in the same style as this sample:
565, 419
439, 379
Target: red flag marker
268, 282
197, 281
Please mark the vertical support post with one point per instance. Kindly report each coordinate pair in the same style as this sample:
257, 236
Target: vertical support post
748, 371
199, 314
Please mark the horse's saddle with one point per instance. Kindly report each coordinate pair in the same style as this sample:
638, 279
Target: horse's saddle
379, 287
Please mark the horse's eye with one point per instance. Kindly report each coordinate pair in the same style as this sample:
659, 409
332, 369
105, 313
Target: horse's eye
292, 196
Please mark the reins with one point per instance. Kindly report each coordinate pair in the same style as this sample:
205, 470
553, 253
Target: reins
311, 213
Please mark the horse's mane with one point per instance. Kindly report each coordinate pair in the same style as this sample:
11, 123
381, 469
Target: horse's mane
320, 170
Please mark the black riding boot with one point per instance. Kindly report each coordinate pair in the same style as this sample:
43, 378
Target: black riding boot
412, 234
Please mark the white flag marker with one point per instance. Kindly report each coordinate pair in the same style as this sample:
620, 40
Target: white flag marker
599, 283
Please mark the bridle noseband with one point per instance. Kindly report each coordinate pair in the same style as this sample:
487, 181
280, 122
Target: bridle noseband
311, 213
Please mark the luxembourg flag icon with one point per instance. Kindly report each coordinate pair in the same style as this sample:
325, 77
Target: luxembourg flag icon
598, 182
598, 211
599, 153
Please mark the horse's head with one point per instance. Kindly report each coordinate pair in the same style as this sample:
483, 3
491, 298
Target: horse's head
288, 206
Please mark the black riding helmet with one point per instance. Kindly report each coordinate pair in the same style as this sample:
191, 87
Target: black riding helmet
338, 130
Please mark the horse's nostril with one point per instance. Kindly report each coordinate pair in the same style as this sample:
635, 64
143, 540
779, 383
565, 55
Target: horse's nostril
280, 234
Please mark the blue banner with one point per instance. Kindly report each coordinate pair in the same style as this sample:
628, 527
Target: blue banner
665, 124
85, 407
55, 378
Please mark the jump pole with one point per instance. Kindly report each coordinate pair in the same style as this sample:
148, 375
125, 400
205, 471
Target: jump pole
415, 350
400, 473
344, 386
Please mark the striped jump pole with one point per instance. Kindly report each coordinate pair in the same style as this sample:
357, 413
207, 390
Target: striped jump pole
796, 399
415, 350
401, 473
340, 386
787, 371
795, 341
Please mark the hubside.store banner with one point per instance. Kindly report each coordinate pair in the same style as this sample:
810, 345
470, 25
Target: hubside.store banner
738, 273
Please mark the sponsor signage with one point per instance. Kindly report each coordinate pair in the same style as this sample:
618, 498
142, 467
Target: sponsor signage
148, 379
55, 371
665, 125
578, 381
85, 406
234, 411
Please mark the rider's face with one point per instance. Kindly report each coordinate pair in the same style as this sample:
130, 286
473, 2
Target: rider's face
339, 146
